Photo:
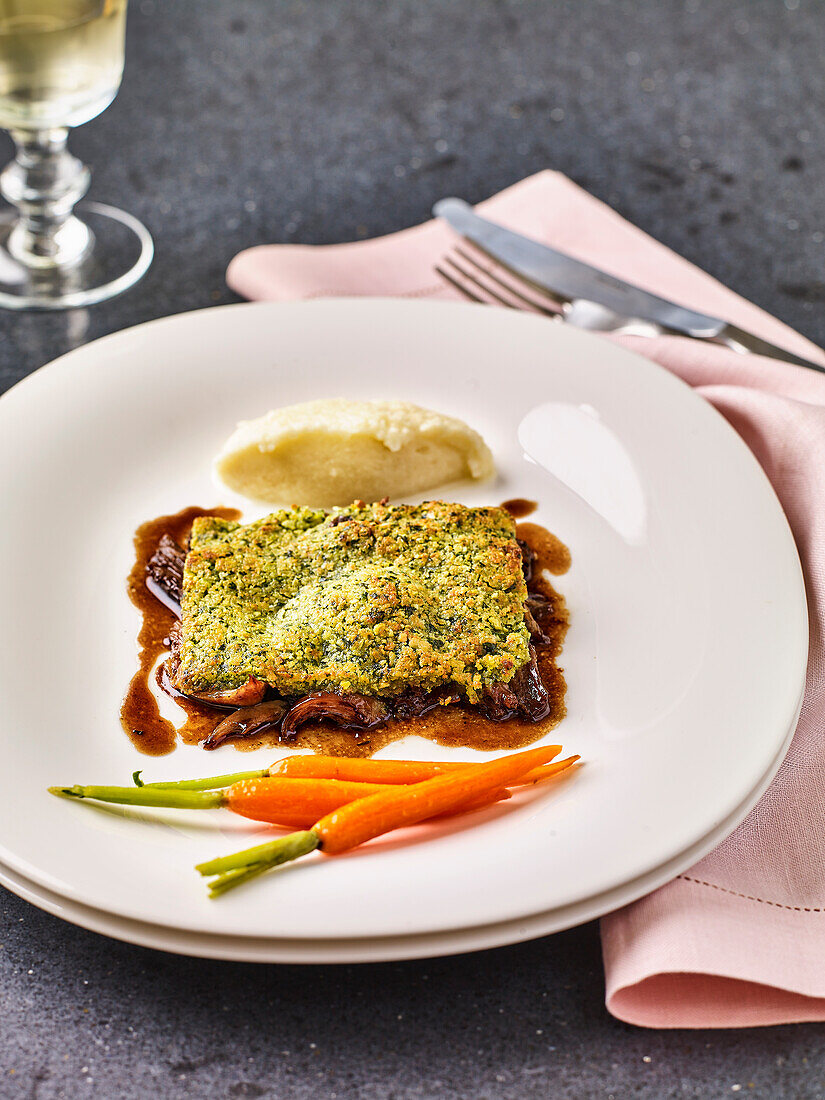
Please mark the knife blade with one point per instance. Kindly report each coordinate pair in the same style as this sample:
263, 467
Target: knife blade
561, 274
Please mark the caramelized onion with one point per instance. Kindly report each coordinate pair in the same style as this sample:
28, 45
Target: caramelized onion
164, 679
350, 711
247, 695
499, 702
246, 722
528, 559
164, 573
528, 687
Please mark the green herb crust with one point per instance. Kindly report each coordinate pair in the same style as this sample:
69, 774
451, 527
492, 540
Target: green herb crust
373, 598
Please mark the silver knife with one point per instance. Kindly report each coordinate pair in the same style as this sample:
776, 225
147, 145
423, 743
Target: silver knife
576, 281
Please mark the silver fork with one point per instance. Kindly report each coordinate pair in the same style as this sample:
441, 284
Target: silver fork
480, 279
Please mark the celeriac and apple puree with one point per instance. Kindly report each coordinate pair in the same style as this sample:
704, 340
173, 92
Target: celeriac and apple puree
326, 453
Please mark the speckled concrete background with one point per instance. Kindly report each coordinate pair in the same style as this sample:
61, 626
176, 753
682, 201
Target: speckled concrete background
250, 121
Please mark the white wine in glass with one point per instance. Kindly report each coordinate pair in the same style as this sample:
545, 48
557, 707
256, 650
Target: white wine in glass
61, 63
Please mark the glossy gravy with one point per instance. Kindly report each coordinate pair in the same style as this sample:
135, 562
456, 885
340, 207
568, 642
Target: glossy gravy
140, 717
454, 725
518, 507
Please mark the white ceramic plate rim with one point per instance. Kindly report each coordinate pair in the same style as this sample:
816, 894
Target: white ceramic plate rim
409, 317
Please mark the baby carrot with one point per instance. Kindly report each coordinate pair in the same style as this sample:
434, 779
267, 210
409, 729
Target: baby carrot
537, 775
545, 772
372, 771
391, 808
355, 769
278, 800
299, 819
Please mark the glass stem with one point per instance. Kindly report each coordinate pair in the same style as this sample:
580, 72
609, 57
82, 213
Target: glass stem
44, 181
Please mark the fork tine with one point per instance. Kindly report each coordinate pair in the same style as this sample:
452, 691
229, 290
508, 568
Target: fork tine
461, 288
489, 291
505, 285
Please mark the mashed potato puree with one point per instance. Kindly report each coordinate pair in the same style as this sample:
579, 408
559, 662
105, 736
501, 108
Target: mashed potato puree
325, 453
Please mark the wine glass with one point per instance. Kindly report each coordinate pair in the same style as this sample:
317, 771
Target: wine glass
61, 62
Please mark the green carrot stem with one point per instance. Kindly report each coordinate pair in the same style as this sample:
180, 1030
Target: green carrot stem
231, 879
282, 850
298, 844
145, 796
203, 784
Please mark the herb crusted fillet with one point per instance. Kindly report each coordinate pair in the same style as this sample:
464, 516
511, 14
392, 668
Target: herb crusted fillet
375, 599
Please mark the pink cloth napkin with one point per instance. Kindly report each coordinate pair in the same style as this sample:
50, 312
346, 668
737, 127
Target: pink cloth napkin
739, 939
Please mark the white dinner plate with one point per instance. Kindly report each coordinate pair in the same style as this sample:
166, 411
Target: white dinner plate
685, 659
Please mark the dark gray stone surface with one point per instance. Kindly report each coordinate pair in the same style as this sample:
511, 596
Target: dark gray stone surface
704, 123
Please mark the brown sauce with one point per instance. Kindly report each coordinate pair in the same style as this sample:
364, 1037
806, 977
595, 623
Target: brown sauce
551, 553
456, 725
140, 717
518, 507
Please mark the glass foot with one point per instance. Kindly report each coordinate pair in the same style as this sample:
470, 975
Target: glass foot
120, 251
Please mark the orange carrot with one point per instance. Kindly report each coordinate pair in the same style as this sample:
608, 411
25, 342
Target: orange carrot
299, 803
479, 802
279, 800
298, 820
395, 807
533, 777
364, 770
355, 769
546, 772
283, 800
